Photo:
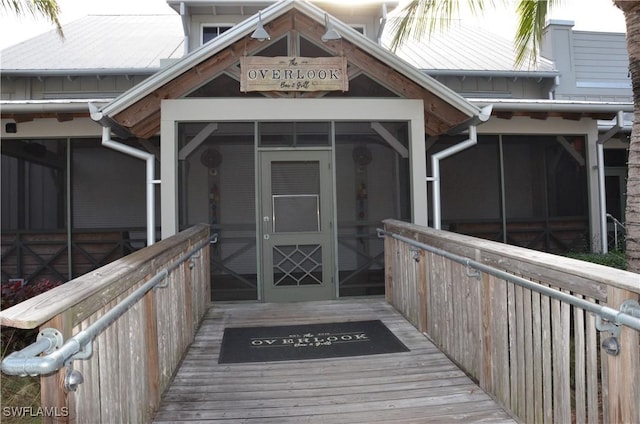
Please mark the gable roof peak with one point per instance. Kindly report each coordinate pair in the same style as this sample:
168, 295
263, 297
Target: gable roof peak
280, 18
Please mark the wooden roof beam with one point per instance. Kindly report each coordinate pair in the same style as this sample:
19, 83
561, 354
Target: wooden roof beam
29, 117
503, 114
64, 117
539, 115
572, 116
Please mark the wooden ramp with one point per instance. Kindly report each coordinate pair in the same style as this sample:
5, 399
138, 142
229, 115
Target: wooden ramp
421, 386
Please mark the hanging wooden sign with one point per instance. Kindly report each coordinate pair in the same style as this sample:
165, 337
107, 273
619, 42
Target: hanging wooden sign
293, 74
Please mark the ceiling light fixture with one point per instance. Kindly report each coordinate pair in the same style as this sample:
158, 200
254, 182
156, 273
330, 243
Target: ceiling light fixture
331, 33
260, 34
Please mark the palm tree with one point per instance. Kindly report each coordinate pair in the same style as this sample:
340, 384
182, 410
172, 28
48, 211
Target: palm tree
631, 10
48, 9
422, 17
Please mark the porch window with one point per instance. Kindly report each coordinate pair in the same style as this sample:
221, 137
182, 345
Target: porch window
209, 32
69, 206
372, 184
360, 28
294, 134
217, 186
529, 191
295, 188
33, 184
217, 175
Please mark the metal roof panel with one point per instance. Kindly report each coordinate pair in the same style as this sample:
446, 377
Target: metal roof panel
464, 46
100, 42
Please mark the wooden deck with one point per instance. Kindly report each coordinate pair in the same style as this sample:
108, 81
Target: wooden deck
420, 386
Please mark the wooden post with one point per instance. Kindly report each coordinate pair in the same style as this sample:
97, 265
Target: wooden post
623, 376
486, 370
389, 256
152, 362
188, 299
422, 292
56, 401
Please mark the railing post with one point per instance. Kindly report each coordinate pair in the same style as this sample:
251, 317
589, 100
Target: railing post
19, 252
56, 401
389, 261
487, 320
623, 370
151, 344
423, 324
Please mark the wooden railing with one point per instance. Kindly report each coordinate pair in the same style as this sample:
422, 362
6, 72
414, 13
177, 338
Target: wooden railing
133, 360
29, 255
539, 357
554, 235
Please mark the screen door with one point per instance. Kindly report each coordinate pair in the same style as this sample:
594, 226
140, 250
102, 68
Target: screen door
297, 211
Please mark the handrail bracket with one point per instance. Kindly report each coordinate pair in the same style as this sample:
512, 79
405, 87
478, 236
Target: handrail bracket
610, 345
472, 272
55, 338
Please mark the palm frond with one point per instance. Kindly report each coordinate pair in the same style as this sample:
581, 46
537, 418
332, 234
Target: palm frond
532, 17
420, 18
49, 9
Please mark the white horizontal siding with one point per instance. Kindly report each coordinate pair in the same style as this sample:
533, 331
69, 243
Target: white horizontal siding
601, 62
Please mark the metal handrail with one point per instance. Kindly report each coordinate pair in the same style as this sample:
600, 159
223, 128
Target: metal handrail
27, 362
629, 315
616, 224
615, 221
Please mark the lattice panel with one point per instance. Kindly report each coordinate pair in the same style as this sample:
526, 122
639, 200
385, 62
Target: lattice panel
297, 265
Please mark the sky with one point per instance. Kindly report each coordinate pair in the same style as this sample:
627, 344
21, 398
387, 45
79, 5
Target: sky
588, 15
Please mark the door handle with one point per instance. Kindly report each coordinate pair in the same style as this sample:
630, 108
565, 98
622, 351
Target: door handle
265, 227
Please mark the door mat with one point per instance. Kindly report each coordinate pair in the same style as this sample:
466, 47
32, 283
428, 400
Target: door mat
312, 341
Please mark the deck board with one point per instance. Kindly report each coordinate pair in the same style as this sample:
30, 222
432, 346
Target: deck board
419, 386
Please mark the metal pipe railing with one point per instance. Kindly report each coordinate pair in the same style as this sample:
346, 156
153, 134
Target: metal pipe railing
609, 314
616, 224
27, 362
615, 221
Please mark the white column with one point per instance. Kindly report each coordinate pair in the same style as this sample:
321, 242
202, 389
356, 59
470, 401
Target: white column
593, 188
168, 175
418, 165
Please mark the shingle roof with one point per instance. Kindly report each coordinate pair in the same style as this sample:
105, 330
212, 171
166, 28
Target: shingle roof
98, 42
